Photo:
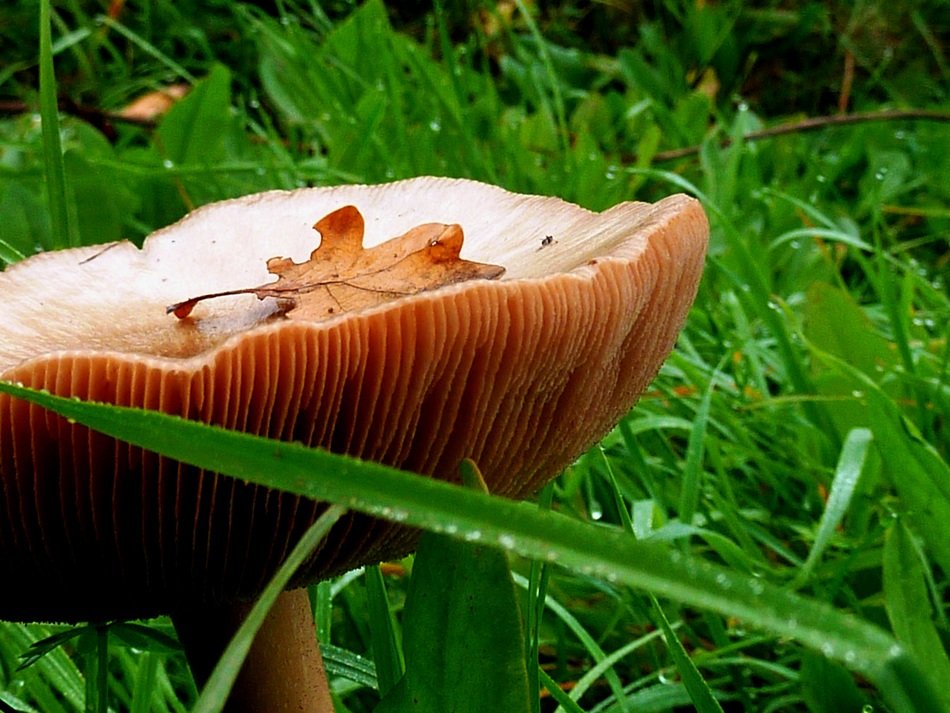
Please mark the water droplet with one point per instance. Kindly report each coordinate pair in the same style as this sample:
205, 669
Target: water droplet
168, 163
723, 581
821, 178
828, 649
451, 529
858, 394
473, 535
435, 125
506, 541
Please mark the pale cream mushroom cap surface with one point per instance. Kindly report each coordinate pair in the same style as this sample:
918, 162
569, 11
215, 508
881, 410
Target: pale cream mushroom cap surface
520, 374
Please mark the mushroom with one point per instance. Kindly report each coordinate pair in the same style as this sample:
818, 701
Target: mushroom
520, 374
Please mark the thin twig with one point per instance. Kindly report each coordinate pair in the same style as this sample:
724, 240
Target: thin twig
813, 124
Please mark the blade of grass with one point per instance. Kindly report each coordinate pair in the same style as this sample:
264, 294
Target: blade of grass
386, 652
147, 47
594, 673
584, 636
560, 113
693, 468
55, 168
15, 704
9, 254
54, 683
143, 696
843, 486
564, 701
102, 669
215, 693
753, 287
322, 601
699, 691
625, 520
908, 603
431, 504
461, 633
346, 664
535, 597
914, 467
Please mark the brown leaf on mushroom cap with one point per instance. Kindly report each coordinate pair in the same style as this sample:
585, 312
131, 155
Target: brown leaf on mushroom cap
343, 276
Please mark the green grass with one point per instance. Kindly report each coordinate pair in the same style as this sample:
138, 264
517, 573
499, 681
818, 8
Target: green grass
795, 444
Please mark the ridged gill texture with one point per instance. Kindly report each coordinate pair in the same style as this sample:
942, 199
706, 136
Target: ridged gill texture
521, 375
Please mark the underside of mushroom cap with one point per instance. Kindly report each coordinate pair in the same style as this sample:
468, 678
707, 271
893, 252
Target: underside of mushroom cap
520, 374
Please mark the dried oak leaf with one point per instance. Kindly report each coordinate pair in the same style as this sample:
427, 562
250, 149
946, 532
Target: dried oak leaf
342, 276
152, 105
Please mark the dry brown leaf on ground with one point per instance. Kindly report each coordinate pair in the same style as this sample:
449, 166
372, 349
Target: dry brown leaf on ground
343, 276
152, 105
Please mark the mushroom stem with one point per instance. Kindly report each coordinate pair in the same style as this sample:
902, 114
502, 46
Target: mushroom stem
283, 671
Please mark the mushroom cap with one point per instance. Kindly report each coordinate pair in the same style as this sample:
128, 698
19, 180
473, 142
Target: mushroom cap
520, 374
